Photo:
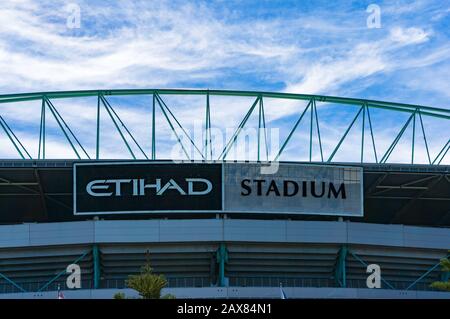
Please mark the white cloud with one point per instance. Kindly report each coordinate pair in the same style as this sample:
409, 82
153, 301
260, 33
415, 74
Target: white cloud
134, 44
362, 61
171, 39
407, 36
365, 59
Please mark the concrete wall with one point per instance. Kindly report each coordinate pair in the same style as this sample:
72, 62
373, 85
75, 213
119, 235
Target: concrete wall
229, 230
243, 292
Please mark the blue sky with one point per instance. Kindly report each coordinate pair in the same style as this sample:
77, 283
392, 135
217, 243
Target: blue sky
320, 47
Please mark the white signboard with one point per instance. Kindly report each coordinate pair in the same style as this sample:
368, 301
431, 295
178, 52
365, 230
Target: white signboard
294, 189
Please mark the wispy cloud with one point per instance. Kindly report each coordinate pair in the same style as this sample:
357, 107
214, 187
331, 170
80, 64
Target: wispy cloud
325, 49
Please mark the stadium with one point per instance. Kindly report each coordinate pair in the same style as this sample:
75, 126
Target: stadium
219, 226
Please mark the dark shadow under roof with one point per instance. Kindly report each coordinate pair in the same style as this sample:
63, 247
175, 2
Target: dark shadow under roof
41, 191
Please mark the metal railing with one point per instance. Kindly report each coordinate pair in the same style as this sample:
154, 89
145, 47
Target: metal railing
34, 286
190, 282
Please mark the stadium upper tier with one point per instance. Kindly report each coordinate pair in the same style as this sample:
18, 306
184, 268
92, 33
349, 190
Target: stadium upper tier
220, 125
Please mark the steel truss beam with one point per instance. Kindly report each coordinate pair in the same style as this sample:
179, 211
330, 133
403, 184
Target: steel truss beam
13, 138
293, 130
114, 117
442, 153
416, 114
409, 108
163, 106
65, 128
425, 274
12, 282
233, 139
76, 261
360, 260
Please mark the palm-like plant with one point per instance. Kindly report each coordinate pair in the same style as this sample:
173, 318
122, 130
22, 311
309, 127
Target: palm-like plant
443, 285
147, 284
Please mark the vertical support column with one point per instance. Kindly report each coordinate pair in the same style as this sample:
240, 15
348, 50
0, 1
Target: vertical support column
208, 128
42, 131
212, 270
97, 148
264, 128
424, 137
362, 132
222, 259
445, 276
153, 129
318, 129
340, 270
259, 128
413, 138
311, 130
96, 266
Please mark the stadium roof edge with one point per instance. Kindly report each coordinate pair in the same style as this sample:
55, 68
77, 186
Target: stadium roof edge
425, 110
17, 163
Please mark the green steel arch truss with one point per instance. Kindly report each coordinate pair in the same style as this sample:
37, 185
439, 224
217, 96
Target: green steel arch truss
416, 113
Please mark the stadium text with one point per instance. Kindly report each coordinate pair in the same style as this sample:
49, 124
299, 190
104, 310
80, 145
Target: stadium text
108, 187
290, 188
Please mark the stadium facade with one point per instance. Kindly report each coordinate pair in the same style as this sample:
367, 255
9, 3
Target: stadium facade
223, 229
